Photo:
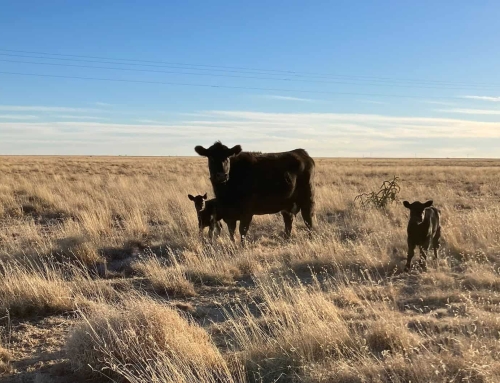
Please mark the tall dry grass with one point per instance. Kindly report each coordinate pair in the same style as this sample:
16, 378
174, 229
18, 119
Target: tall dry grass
89, 234
5, 357
144, 341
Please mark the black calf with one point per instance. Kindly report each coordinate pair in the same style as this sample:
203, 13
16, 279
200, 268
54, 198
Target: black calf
423, 230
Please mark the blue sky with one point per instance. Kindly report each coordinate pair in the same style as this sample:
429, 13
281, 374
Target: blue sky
338, 78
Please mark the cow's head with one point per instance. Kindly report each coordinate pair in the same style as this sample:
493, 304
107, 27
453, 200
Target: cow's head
218, 160
417, 210
199, 201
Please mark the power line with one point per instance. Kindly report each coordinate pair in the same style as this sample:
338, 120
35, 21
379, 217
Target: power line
203, 67
230, 76
223, 86
148, 61
130, 64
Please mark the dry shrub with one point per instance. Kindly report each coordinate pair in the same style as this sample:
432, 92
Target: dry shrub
165, 280
387, 193
144, 341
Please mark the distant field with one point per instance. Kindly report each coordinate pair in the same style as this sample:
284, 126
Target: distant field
101, 265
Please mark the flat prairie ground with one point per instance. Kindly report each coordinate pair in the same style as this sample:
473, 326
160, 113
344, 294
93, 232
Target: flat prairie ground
103, 277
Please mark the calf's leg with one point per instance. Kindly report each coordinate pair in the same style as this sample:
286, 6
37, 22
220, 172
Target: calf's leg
423, 258
435, 241
411, 253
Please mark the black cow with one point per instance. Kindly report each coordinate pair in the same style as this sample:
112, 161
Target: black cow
247, 184
423, 230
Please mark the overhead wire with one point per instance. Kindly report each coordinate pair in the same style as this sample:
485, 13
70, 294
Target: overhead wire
232, 76
222, 86
229, 69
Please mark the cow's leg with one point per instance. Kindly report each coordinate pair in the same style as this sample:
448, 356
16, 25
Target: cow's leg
288, 218
307, 212
411, 253
244, 226
231, 228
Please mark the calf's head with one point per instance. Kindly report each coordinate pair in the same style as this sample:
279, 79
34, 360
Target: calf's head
199, 201
417, 210
218, 160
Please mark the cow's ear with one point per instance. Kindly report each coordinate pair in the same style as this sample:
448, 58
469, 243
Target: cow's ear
428, 203
235, 150
190, 197
205, 196
201, 151
406, 204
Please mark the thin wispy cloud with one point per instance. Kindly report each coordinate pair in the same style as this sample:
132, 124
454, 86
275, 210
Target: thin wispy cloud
102, 104
80, 117
437, 102
470, 111
147, 121
17, 117
483, 98
288, 98
29, 108
373, 102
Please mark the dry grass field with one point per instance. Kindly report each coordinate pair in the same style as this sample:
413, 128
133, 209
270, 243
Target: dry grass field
103, 277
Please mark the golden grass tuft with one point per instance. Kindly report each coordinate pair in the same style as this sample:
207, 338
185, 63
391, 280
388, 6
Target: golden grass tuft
31, 291
482, 278
5, 357
44, 289
163, 279
78, 249
144, 341
297, 326
385, 335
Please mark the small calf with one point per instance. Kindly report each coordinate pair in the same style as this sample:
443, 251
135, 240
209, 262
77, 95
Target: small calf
423, 230
205, 210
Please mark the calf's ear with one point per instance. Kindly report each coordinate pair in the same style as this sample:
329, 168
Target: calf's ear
201, 151
235, 150
205, 196
190, 197
406, 204
428, 203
